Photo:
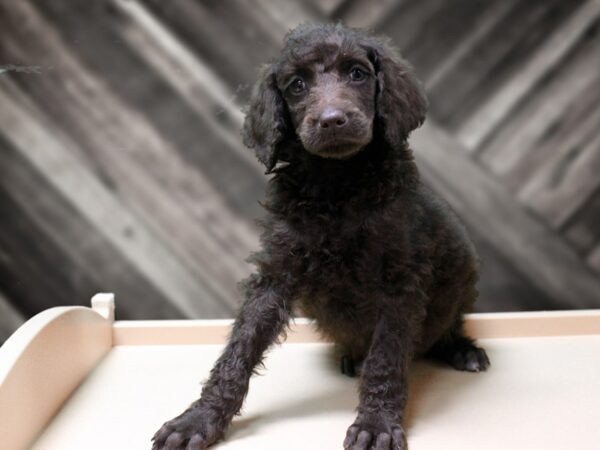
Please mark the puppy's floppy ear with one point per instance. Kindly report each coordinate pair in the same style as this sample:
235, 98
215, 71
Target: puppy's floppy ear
265, 125
401, 103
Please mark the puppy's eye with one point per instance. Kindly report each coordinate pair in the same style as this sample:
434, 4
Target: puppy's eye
297, 86
357, 74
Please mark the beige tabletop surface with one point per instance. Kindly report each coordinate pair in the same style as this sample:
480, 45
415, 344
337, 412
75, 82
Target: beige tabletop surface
540, 393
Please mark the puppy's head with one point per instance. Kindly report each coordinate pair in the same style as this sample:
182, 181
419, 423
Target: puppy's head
332, 88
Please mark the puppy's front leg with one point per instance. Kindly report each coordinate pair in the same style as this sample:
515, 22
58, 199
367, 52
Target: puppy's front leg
383, 384
261, 319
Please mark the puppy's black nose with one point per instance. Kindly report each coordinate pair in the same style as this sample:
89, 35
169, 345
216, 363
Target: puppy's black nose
332, 117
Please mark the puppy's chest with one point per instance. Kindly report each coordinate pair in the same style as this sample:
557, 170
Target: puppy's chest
325, 251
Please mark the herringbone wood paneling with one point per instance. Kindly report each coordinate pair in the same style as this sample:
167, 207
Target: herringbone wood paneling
122, 168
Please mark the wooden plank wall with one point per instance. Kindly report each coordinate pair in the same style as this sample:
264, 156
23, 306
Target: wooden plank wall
122, 169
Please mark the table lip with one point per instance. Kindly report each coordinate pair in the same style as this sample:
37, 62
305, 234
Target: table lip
477, 325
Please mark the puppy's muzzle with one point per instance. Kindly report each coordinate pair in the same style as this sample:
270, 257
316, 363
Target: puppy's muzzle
335, 132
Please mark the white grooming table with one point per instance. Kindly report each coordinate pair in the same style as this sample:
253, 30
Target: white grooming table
72, 378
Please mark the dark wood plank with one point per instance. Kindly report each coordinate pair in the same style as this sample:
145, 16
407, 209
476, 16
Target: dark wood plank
55, 157
594, 258
406, 23
98, 32
534, 250
568, 178
582, 230
10, 318
454, 58
545, 39
501, 286
556, 110
183, 210
364, 13
449, 24
329, 8
195, 83
226, 37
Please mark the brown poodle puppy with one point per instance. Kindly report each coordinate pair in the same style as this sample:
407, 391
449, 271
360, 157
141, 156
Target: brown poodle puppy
352, 236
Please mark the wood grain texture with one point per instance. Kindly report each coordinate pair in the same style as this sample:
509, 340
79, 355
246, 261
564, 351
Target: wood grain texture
492, 209
122, 166
50, 258
518, 146
559, 40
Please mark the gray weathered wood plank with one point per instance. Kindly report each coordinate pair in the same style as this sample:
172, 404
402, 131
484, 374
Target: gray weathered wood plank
51, 255
405, 26
194, 81
483, 120
517, 147
51, 156
493, 58
328, 7
594, 258
582, 230
93, 36
482, 203
453, 61
171, 197
365, 13
232, 48
569, 176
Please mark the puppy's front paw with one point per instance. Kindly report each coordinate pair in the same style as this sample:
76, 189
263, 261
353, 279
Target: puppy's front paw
375, 432
195, 429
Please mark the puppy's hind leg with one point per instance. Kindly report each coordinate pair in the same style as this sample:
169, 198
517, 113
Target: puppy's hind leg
459, 351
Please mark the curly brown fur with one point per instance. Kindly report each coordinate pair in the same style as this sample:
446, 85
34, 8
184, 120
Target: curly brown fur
351, 236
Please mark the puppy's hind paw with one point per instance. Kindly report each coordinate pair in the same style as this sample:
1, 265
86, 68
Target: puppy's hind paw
472, 359
461, 353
